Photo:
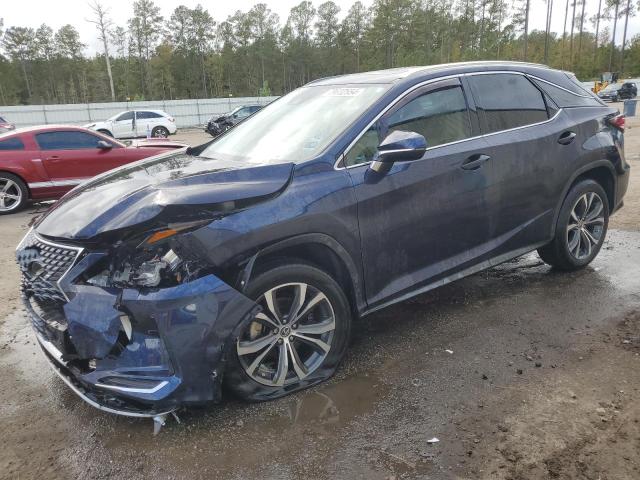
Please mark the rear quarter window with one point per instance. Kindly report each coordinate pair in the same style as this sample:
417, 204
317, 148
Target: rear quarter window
147, 115
11, 144
566, 99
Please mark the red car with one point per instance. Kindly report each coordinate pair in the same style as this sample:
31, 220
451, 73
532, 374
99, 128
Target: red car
43, 163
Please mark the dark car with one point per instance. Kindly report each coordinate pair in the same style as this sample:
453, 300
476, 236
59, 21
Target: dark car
628, 90
6, 126
220, 124
241, 263
618, 91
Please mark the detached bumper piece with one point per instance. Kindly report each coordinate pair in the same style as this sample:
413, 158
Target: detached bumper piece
125, 351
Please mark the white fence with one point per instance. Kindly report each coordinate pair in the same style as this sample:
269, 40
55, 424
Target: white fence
188, 113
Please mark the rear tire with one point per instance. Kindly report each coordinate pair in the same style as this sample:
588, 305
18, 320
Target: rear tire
313, 338
106, 132
581, 228
159, 132
13, 194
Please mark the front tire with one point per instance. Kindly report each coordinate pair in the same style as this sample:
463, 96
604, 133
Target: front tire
296, 341
581, 228
13, 194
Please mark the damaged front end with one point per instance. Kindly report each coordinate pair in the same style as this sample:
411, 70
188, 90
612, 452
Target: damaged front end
138, 329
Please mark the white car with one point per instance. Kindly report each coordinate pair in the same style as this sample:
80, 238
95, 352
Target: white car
138, 123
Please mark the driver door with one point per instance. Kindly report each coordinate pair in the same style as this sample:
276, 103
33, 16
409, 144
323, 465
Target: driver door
124, 125
71, 155
427, 219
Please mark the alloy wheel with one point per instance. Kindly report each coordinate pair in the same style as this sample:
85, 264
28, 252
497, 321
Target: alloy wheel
290, 338
160, 132
586, 225
10, 195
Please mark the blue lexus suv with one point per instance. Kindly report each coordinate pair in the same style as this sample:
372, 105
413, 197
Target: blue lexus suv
239, 265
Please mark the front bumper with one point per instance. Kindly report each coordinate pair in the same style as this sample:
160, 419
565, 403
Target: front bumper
214, 129
172, 353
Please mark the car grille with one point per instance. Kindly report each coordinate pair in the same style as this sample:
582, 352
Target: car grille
43, 264
52, 260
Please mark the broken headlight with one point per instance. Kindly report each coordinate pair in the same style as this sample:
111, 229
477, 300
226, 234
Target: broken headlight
150, 263
142, 270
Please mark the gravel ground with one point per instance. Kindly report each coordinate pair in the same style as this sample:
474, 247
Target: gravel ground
543, 382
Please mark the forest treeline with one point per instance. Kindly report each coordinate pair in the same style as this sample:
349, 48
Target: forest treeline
189, 55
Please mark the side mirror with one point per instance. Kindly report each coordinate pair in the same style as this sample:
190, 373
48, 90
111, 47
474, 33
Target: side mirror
103, 145
399, 146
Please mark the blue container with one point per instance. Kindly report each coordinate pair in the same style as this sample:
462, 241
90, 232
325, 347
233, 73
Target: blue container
630, 108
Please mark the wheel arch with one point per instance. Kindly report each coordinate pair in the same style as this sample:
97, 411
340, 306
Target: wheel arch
105, 131
319, 250
601, 171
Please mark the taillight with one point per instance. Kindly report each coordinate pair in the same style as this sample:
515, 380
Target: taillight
617, 122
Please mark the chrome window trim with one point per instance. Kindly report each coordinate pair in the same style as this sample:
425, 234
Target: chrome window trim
427, 82
561, 88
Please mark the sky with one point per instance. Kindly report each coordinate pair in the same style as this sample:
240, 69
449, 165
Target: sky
32, 13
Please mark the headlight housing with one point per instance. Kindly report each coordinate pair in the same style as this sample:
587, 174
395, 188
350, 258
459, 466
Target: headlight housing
149, 263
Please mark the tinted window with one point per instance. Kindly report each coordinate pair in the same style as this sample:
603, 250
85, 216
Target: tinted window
146, 115
66, 140
440, 116
507, 101
565, 99
125, 116
11, 143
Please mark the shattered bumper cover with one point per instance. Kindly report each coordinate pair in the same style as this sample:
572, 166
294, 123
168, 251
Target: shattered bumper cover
127, 351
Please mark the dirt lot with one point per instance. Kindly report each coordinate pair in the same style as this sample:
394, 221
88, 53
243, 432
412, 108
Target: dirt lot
543, 382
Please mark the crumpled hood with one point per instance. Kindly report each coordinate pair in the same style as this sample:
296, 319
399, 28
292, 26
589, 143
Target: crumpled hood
221, 118
165, 189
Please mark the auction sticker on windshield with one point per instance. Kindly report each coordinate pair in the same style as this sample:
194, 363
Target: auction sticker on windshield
342, 92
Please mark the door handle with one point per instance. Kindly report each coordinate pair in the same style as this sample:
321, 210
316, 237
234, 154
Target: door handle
474, 162
566, 138
53, 157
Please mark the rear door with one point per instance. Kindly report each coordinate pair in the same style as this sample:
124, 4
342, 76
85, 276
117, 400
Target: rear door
145, 121
425, 219
70, 156
530, 151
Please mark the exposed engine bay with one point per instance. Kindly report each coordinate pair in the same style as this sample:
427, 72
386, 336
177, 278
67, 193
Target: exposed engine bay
143, 267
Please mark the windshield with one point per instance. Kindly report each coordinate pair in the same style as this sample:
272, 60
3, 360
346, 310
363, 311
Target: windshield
2, 120
297, 127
